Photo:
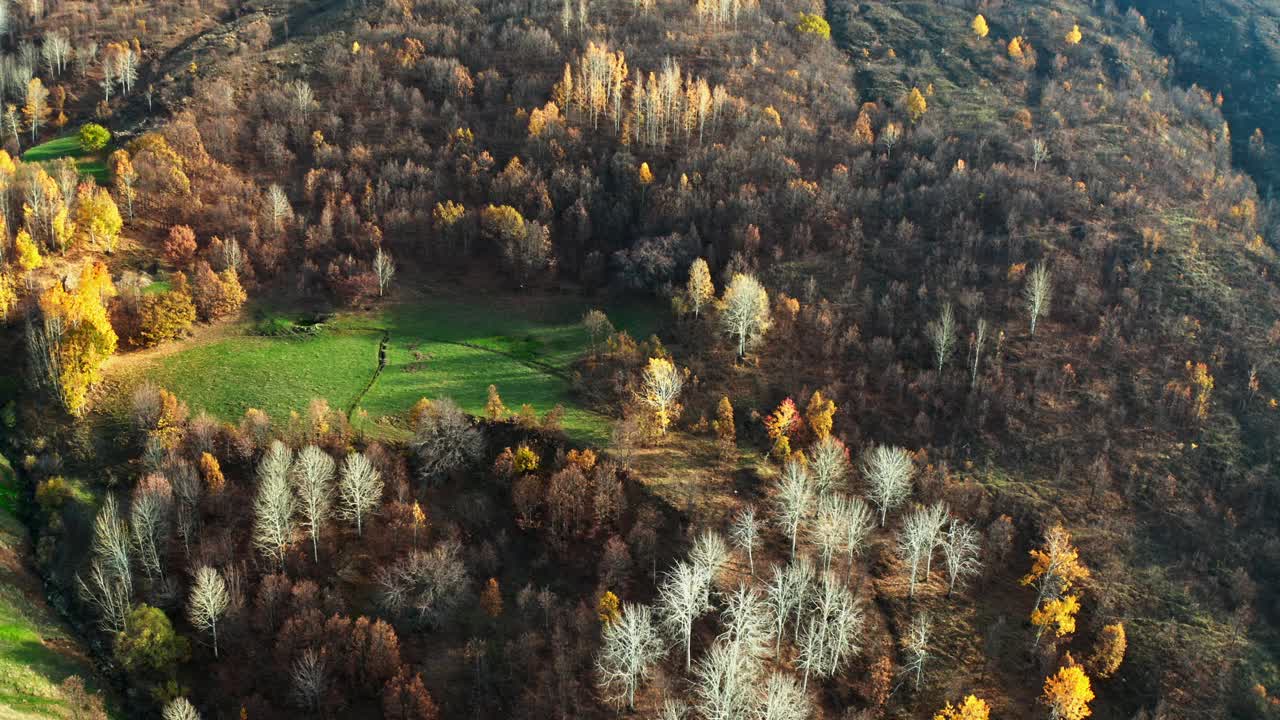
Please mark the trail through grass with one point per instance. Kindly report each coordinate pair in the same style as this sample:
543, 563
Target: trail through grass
437, 347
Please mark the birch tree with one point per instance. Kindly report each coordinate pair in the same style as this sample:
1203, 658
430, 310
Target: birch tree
960, 548
857, 522
725, 683
786, 594
150, 516
828, 463
359, 490
935, 518
310, 676
942, 334
700, 290
660, 387
385, 269
746, 621
832, 629
915, 541
629, 649
111, 542
783, 699
744, 315
274, 505
793, 499
208, 602
109, 585
745, 533
683, 597
1037, 293
827, 528
180, 709
915, 648
888, 472
979, 339
312, 475
709, 555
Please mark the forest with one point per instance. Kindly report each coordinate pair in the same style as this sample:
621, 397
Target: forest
671, 359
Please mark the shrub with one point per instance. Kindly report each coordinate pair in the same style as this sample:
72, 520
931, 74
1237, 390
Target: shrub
94, 137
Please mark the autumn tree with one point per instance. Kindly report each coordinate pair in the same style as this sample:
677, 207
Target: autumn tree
1055, 566
164, 316
744, 313
819, 414
814, 25
68, 348
494, 409
725, 429
211, 471
1056, 613
979, 26
660, 387
916, 105
700, 291
35, 107
781, 425
405, 697
608, 608
216, 295
97, 216
971, 708
1074, 36
491, 598
208, 602
1067, 693
124, 179
180, 246
1108, 651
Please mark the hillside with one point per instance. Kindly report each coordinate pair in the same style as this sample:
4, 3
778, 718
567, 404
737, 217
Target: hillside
608, 302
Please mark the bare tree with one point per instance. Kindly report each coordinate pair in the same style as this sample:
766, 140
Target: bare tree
150, 516
827, 528
1039, 154
629, 648
446, 440
916, 647
55, 50
793, 498
915, 542
709, 555
979, 339
312, 475
187, 488
425, 587
1037, 293
112, 544
960, 549
786, 594
359, 490
745, 533
725, 683
888, 471
180, 709
745, 312
301, 100
310, 678
858, 521
828, 463
108, 594
747, 623
278, 208
274, 505
936, 517
683, 597
208, 602
784, 700
942, 333
832, 629
385, 268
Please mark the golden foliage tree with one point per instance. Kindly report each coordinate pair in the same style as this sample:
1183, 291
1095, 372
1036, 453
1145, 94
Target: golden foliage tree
1108, 651
660, 387
524, 460
972, 708
1055, 566
1067, 693
781, 424
1058, 613
211, 471
26, 254
820, 414
494, 409
1074, 36
8, 294
916, 105
609, 608
700, 290
77, 337
814, 25
164, 316
97, 216
35, 107
216, 295
726, 431
980, 26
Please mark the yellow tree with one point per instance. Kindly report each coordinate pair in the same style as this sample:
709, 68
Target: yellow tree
972, 708
1058, 613
660, 388
700, 290
1108, 652
1074, 35
76, 337
1067, 693
494, 409
1015, 48
726, 430
27, 255
916, 105
781, 425
609, 609
524, 460
35, 105
1055, 566
97, 216
819, 414
980, 26
8, 294
124, 178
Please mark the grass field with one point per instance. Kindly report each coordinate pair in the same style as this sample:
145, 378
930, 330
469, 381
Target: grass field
36, 653
94, 164
437, 347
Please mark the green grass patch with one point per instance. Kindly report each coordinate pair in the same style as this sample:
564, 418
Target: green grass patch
36, 653
438, 347
157, 287
93, 164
